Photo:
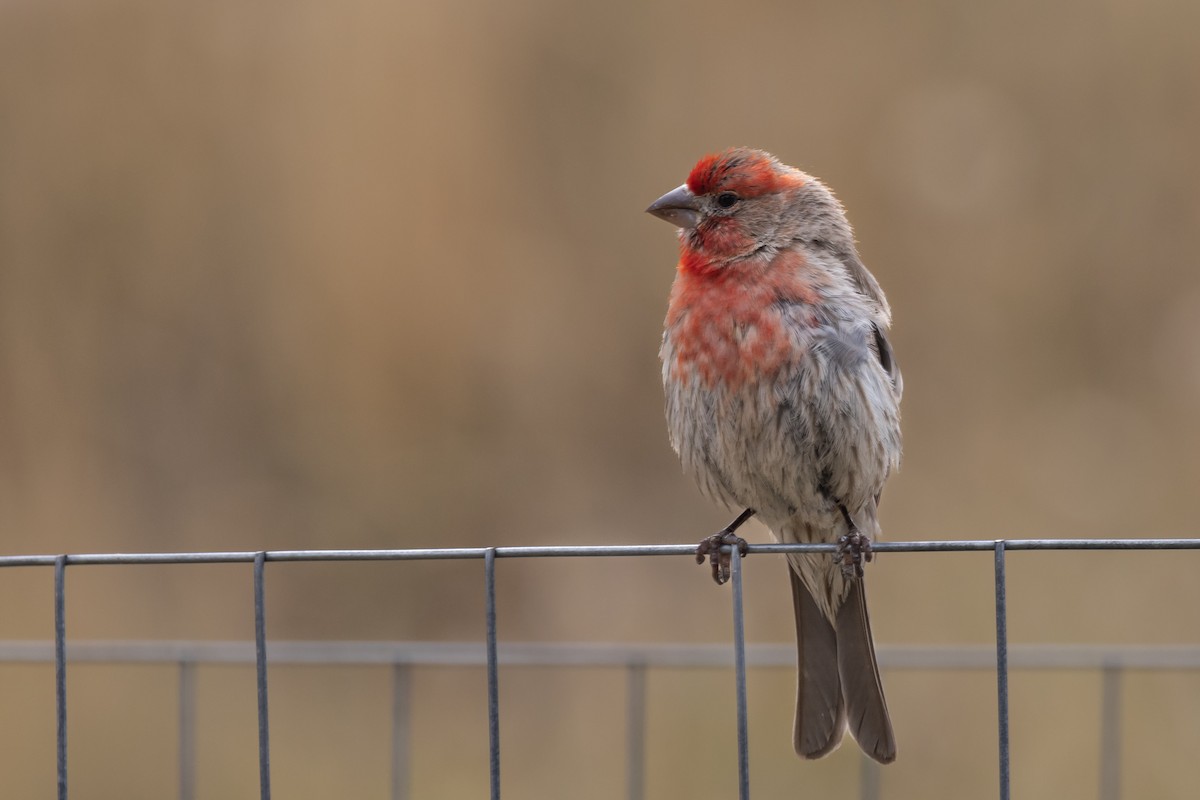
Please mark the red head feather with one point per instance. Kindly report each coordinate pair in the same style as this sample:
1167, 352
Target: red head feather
750, 173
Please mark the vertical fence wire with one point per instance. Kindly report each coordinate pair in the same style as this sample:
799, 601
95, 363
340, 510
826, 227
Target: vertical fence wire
60, 671
401, 730
739, 666
1110, 733
1002, 669
869, 778
635, 731
187, 730
260, 663
493, 679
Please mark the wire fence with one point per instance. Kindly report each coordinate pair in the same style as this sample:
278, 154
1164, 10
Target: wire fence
634, 659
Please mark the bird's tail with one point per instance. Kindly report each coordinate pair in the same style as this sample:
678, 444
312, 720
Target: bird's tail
837, 678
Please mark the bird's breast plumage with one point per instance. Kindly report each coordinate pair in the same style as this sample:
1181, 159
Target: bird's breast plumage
732, 333
773, 400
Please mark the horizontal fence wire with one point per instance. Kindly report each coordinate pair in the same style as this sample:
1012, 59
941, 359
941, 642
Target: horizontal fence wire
591, 655
491, 654
584, 551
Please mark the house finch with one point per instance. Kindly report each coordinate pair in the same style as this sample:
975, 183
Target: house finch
783, 398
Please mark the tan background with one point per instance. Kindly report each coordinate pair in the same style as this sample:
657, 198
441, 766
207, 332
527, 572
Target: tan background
376, 274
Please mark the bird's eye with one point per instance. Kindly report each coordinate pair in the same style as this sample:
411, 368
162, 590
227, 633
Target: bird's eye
727, 199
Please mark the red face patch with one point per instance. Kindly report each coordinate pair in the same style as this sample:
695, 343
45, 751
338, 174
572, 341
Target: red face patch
750, 173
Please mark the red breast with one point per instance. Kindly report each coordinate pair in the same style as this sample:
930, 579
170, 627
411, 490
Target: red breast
726, 323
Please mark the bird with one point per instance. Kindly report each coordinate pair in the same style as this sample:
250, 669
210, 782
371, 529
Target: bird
783, 399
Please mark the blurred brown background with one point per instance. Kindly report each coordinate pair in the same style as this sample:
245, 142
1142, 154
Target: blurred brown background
376, 274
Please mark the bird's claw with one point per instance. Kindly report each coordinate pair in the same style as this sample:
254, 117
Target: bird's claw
852, 550
710, 548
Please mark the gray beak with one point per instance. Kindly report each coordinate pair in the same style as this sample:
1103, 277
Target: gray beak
678, 207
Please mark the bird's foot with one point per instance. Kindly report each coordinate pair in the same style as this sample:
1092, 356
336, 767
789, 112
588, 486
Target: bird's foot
710, 548
852, 550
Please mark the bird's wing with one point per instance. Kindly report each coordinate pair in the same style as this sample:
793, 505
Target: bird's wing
865, 282
883, 351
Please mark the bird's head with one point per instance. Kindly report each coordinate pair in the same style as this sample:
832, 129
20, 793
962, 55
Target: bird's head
744, 202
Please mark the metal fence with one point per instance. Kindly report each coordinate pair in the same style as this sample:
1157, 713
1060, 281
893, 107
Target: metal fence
634, 659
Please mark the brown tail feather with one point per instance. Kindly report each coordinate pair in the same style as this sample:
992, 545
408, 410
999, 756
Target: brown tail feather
820, 711
866, 708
